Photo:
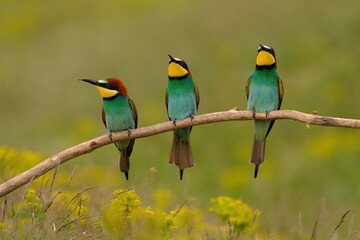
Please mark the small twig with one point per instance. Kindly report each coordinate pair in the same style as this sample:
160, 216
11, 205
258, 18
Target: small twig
71, 176
341, 221
53, 179
313, 235
182, 205
79, 193
48, 204
79, 212
74, 208
47, 181
4, 211
232, 115
73, 221
256, 213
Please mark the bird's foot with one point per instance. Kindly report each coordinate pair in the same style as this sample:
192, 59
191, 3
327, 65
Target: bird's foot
254, 113
192, 117
129, 132
267, 113
110, 136
174, 122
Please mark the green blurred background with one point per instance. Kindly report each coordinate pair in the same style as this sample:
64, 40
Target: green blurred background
46, 46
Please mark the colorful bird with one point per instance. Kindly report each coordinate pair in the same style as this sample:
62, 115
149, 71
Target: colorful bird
182, 101
118, 114
264, 92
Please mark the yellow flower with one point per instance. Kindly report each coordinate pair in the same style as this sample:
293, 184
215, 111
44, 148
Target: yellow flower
236, 212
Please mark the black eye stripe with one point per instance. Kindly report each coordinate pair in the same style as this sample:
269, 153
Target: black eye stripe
112, 87
183, 64
108, 86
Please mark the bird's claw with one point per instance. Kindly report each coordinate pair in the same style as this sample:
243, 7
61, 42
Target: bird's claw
129, 132
267, 113
192, 117
254, 113
110, 136
174, 122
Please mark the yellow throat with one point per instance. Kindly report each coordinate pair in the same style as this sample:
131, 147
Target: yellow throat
265, 59
175, 70
106, 93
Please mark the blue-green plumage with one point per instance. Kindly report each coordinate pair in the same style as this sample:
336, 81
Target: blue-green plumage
118, 117
118, 114
182, 100
264, 93
263, 97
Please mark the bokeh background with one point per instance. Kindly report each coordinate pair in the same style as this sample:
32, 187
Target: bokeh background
45, 46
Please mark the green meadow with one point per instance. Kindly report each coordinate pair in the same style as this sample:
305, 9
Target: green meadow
309, 180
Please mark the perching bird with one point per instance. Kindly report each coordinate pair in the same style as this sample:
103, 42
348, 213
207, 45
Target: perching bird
264, 92
118, 114
182, 101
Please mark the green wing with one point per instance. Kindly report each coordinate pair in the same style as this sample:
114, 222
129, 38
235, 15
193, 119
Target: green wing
281, 94
247, 88
197, 95
166, 102
134, 110
103, 116
135, 114
281, 91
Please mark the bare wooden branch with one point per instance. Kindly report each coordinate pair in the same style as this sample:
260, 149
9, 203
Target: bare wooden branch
232, 115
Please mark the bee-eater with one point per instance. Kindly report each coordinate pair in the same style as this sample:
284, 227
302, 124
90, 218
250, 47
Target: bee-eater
264, 92
182, 101
118, 114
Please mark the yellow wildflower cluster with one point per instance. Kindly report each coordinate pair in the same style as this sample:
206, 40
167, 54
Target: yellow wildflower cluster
236, 215
68, 213
125, 217
32, 204
125, 201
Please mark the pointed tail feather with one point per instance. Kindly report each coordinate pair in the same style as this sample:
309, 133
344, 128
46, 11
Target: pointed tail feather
124, 163
186, 159
257, 154
181, 154
175, 149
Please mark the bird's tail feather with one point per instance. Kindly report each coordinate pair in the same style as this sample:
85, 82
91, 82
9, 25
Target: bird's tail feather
257, 154
181, 154
124, 163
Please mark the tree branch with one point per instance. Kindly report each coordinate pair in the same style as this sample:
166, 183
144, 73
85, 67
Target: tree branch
232, 115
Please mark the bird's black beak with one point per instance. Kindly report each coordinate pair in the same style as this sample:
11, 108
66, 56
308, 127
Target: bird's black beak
91, 81
261, 45
172, 59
